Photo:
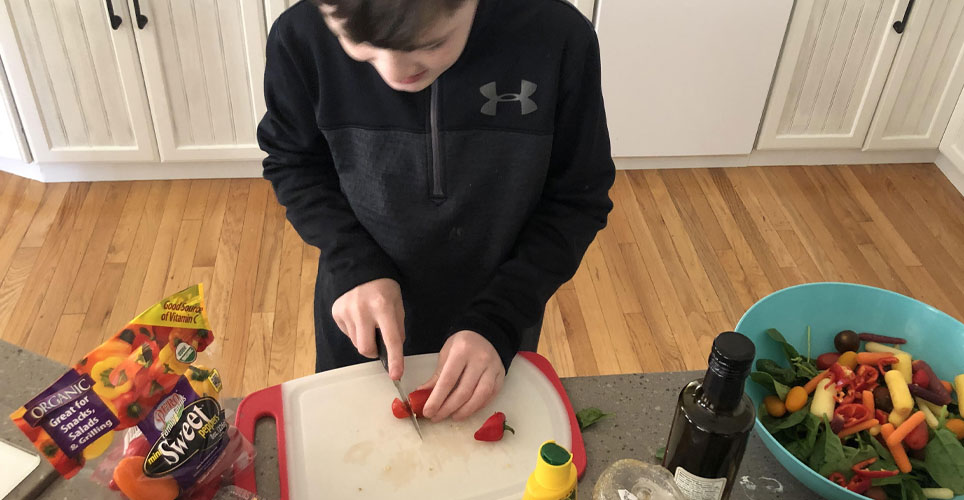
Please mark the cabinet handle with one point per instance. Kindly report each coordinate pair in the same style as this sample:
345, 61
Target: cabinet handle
115, 20
899, 26
142, 19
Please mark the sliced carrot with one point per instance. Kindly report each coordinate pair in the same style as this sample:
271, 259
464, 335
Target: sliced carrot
905, 428
898, 452
812, 384
853, 429
868, 400
872, 358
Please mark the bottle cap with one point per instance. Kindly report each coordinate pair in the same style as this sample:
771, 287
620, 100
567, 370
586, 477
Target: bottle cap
732, 355
553, 454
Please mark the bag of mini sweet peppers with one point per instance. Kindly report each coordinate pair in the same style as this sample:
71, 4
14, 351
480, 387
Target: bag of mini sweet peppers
142, 378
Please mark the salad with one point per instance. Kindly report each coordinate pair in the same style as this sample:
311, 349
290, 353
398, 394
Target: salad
868, 417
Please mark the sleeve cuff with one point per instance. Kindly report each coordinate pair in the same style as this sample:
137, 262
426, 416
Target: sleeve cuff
344, 281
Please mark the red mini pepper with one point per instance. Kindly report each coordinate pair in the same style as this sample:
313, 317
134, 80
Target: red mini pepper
886, 362
493, 428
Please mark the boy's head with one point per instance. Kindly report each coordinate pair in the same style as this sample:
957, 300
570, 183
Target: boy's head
409, 42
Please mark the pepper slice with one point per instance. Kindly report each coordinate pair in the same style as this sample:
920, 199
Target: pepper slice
866, 378
861, 470
852, 414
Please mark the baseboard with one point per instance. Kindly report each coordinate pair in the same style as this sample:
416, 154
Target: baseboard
23, 169
791, 157
954, 171
80, 172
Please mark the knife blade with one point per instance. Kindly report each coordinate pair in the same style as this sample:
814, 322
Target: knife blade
383, 356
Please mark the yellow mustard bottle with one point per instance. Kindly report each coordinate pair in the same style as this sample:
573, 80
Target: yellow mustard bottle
554, 477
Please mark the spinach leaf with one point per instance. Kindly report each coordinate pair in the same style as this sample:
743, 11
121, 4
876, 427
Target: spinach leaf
589, 416
788, 350
911, 490
803, 367
945, 460
786, 376
787, 421
830, 455
799, 440
769, 382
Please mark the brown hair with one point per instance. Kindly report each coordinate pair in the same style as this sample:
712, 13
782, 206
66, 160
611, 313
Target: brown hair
388, 24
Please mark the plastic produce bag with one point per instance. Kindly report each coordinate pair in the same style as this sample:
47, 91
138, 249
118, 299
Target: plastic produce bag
137, 398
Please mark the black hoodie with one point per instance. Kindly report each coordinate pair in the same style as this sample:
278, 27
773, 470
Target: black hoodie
479, 195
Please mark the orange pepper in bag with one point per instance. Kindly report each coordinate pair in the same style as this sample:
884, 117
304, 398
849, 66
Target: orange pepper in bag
131, 480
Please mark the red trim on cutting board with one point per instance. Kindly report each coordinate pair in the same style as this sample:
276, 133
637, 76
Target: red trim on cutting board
254, 407
578, 447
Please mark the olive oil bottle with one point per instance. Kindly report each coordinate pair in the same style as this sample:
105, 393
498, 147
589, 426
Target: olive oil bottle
712, 423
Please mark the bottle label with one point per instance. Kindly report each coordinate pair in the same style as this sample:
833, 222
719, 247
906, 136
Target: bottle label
699, 488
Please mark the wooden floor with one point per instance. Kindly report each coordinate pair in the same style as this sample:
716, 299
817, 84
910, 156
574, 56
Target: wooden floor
685, 253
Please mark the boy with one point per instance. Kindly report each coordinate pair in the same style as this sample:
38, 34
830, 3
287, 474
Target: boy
451, 160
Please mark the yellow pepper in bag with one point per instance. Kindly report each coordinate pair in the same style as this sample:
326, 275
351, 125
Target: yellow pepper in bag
204, 381
101, 374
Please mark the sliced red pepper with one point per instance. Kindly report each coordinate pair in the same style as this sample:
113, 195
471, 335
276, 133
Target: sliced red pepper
852, 414
838, 478
866, 379
886, 362
881, 416
861, 470
400, 409
858, 484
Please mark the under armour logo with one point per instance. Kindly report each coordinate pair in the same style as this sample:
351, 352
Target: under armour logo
523, 97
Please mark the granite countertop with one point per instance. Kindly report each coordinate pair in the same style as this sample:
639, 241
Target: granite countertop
641, 404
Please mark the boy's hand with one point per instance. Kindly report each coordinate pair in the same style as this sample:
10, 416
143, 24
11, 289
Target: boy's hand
376, 304
468, 376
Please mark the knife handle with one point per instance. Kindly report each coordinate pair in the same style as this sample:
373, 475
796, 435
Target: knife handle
382, 351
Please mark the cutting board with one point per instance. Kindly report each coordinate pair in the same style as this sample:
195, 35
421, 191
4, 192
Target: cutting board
337, 437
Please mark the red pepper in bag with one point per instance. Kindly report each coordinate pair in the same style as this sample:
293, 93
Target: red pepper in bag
493, 428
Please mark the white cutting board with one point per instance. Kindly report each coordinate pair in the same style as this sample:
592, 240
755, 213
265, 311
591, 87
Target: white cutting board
344, 443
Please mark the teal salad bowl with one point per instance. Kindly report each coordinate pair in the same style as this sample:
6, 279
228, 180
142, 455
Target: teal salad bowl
828, 308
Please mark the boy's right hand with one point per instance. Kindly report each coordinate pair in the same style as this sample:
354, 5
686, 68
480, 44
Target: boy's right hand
376, 304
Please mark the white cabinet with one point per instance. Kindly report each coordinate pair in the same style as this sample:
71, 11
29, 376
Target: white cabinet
182, 83
925, 81
274, 8
835, 60
687, 78
203, 65
12, 143
76, 81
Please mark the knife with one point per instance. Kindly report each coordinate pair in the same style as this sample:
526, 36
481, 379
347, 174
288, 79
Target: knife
383, 356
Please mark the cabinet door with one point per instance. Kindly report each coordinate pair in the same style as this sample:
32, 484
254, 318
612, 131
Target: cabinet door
274, 8
13, 145
835, 61
204, 68
687, 78
926, 79
75, 80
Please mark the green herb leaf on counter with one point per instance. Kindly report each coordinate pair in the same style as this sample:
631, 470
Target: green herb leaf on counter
768, 382
661, 453
945, 460
589, 416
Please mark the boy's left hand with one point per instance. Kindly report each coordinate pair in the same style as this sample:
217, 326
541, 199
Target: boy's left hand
468, 376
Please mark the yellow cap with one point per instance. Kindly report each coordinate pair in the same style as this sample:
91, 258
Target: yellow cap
554, 476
